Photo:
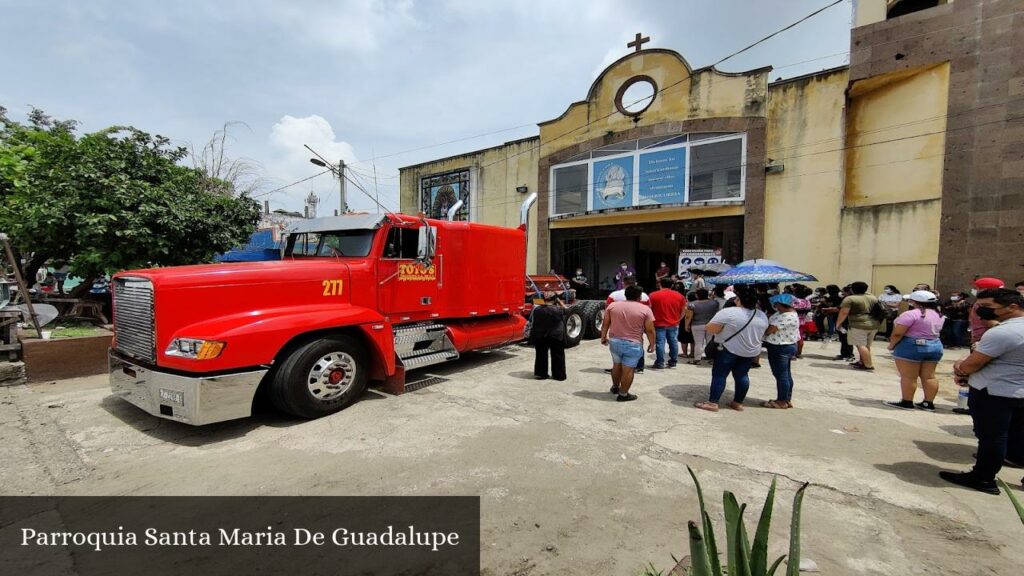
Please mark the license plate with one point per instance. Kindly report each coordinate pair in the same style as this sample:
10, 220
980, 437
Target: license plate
172, 396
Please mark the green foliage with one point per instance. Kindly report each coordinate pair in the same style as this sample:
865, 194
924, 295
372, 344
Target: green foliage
111, 200
743, 558
1013, 498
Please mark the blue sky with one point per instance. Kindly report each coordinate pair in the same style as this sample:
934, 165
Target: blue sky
359, 78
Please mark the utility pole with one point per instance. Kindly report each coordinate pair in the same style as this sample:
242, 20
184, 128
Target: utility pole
341, 178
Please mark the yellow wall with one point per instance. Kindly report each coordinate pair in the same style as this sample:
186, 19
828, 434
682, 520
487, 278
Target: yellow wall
870, 11
804, 201
498, 171
708, 93
878, 240
894, 165
896, 136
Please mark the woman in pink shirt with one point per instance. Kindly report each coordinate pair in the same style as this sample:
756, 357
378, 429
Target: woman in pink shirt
916, 347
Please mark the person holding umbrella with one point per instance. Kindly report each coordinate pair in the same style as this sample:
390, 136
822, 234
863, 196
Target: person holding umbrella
738, 332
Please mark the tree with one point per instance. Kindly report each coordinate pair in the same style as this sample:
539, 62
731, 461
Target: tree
227, 175
110, 200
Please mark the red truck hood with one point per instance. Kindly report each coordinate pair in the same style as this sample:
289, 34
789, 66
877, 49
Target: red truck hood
207, 301
247, 273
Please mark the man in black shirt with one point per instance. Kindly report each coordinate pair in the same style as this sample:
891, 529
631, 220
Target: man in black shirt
547, 334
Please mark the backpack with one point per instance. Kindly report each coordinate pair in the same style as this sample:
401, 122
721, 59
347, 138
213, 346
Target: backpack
878, 311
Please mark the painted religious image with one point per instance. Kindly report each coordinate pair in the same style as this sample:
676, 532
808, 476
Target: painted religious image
439, 192
613, 183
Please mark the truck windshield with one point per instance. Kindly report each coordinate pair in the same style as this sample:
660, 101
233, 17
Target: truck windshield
346, 243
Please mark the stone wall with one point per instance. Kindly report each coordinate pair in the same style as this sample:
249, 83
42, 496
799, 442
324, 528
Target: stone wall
982, 214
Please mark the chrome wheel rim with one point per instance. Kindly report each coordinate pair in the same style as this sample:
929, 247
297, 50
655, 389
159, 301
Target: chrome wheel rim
598, 319
573, 325
331, 376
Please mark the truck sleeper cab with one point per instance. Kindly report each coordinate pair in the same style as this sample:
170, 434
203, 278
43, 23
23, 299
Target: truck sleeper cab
354, 299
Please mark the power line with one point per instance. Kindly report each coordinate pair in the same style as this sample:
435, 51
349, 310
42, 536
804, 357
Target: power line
290, 185
931, 32
587, 188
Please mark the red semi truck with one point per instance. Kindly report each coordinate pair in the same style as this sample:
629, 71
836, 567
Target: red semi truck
355, 298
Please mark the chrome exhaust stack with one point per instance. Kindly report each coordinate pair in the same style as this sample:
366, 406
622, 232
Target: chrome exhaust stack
454, 210
524, 211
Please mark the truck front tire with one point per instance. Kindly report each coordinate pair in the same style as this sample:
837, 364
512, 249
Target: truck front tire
320, 377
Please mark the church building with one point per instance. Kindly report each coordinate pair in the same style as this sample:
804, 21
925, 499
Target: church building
905, 166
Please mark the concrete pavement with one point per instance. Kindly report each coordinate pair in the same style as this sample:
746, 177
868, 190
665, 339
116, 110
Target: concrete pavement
571, 482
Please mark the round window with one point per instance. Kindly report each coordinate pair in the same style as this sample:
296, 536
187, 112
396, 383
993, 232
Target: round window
636, 95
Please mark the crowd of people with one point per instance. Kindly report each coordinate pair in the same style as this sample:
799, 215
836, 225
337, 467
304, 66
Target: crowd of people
731, 327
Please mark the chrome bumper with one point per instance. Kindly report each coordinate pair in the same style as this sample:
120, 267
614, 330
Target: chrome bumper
193, 401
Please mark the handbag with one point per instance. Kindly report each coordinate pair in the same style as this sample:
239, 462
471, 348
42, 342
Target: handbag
712, 348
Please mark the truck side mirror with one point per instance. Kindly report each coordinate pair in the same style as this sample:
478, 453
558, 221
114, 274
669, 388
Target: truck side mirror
426, 244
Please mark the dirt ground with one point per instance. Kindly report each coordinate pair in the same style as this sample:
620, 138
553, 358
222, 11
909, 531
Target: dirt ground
571, 482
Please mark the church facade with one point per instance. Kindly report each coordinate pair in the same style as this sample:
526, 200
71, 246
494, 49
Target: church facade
897, 169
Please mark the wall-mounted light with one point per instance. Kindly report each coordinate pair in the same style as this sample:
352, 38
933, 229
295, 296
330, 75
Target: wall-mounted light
773, 168
522, 189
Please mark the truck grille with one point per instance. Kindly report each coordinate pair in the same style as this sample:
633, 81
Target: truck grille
133, 317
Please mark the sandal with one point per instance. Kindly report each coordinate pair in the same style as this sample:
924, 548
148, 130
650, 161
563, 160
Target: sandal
777, 404
736, 406
709, 406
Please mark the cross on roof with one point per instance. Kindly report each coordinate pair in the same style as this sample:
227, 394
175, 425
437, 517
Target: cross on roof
639, 41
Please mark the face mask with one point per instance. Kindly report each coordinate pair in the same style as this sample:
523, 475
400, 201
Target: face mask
887, 291
974, 291
986, 313
623, 266
579, 272
954, 298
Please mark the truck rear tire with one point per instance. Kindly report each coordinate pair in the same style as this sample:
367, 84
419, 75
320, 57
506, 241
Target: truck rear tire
573, 327
320, 377
593, 315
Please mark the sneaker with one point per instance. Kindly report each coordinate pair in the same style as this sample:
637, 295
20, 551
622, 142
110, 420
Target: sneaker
658, 367
640, 371
671, 364
626, 397
614, 389
902, 404
607, 370
925, 405
859, 366
841, 357
968, 480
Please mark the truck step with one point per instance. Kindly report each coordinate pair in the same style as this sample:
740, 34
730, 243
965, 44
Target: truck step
429, 359
417, 329
422, 340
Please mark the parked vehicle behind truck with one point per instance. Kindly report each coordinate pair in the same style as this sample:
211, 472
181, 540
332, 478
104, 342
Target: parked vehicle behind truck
355, 298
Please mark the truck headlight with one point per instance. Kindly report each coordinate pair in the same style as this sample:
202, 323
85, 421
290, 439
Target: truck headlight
194, 348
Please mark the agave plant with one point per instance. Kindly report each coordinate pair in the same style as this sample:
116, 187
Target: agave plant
1014, 499
743, 558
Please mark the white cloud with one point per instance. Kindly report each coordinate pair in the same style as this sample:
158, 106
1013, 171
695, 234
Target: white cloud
290, 162
291, 134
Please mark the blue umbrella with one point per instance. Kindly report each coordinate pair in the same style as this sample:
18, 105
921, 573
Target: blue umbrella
760, 271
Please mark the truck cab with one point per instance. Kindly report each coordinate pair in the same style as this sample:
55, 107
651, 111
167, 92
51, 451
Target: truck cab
355, 299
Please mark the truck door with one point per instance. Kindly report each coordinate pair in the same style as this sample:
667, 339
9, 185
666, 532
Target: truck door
408, 288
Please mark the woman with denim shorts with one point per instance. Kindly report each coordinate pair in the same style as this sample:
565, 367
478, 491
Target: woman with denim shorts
917, 349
